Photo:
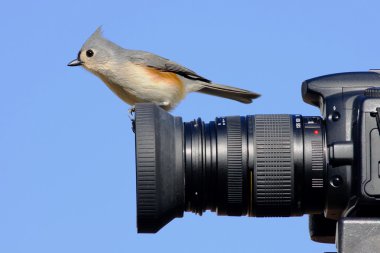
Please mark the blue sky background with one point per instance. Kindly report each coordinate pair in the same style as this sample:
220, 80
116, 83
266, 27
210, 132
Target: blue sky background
67, 168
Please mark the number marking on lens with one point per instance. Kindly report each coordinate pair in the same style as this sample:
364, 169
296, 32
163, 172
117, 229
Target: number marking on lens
221, 121
298, 121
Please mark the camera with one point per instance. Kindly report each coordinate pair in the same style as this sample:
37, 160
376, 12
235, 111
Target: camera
267, 165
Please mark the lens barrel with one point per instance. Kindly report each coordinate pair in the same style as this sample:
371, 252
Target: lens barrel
208, 186
257, 165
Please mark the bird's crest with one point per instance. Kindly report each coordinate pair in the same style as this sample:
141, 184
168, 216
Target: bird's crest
95, 35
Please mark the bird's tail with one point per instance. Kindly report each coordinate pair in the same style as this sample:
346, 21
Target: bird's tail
240, 95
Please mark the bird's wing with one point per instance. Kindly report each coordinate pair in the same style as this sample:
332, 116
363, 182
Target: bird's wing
163, 64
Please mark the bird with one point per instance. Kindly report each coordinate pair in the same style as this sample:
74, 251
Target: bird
137, 76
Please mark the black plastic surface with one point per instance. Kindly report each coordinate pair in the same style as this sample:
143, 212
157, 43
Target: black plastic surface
266, 165
322, 229
336, 94
216, 166
159, 168
263, 165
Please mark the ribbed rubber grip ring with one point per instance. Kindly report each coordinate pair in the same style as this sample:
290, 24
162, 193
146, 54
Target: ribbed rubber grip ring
146, 165
273, 175
234, 161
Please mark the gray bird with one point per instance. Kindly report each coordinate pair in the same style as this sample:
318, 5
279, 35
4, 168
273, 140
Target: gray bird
138, 76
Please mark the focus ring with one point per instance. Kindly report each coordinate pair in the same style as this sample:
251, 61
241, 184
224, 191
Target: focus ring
273, 171
234, 165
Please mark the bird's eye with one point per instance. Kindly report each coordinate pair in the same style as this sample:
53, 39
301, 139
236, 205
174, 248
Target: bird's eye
89, 53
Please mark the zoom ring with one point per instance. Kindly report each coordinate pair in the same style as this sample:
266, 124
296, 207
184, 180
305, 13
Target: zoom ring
273, 171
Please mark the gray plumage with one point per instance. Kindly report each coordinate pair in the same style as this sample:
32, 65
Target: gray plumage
139, 76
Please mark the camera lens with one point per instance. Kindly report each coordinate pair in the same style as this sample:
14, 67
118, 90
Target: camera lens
257, 165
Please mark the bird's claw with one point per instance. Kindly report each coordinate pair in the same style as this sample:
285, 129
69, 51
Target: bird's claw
132, 110
131, 115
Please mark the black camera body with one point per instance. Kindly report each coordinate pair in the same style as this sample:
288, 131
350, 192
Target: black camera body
349, 103
266, 165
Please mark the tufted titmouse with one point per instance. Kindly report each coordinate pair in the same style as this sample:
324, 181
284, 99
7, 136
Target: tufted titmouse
138, 76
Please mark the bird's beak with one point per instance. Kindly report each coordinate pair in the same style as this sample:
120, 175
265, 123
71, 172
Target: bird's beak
75, 62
